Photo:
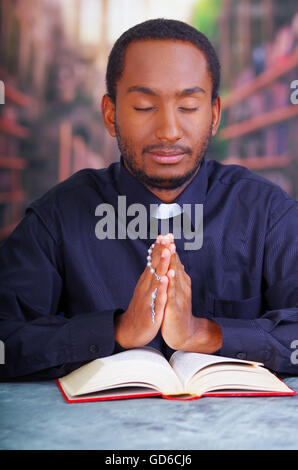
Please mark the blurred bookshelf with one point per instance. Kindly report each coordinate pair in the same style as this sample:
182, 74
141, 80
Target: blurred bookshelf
259, 43
12, 165
50, 122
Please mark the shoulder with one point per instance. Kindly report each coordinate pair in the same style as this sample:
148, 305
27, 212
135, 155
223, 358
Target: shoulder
239, 176
72, 201
258, 192
231, 174
84, 182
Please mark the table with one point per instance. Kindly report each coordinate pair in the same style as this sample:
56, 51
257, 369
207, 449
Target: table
34, 415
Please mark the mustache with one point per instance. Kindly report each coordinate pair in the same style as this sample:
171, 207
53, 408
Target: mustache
166, 148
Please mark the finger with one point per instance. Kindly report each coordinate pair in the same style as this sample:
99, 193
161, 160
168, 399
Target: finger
171, 291
168, 243
156, 254
183, 278
178, 267
172, 248
176, 277
173, 264
166, 239
157, 265
164, 262
160, 257
161, 298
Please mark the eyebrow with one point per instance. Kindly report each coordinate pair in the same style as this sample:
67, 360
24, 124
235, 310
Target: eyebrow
150, 91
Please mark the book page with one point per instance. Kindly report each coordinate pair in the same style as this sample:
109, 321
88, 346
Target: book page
115, 393
238, 377
186, 364
145, 366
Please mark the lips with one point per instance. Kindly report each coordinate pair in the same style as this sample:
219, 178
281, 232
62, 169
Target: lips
166, 157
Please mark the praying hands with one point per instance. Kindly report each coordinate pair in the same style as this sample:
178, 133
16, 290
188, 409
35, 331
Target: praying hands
172, 305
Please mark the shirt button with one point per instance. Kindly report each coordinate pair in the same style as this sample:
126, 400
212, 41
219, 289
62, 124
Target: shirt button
93, 348
241, 355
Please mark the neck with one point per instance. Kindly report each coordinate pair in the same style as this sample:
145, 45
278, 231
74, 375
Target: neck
169, 195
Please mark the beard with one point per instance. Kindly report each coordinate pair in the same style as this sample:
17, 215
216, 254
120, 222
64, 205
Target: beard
158, 182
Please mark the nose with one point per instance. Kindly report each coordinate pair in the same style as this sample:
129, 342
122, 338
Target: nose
168, 127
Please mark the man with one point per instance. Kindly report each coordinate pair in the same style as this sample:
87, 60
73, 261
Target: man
70, 294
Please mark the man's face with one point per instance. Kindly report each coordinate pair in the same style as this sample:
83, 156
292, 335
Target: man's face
164, 116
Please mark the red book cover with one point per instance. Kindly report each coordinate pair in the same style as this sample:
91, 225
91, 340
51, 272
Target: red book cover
94, 397
144, 372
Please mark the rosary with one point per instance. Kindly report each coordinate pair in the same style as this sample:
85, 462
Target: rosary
152, 270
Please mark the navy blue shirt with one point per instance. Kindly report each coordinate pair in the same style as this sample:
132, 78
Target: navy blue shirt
61, 286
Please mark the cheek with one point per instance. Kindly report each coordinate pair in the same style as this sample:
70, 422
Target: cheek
197, 125
131, 129
201, 130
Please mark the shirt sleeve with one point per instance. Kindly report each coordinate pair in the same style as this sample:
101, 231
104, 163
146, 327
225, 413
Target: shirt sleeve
37, 339
273, 337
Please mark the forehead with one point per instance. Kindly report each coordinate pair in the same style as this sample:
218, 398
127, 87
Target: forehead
164, 65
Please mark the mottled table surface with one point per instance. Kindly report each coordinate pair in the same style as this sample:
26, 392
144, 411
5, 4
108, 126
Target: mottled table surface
35, 416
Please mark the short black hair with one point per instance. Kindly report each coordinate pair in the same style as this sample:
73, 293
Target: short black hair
160, 28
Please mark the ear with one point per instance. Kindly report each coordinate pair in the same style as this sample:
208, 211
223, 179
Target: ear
108, 114
216, 115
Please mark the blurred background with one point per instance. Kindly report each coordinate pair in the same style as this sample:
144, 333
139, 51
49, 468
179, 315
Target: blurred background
53, 55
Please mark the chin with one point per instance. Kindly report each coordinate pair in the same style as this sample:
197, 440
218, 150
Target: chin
172, 181
163, 177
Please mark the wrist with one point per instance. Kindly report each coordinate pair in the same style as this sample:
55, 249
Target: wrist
207, 337
125, 334
121, 331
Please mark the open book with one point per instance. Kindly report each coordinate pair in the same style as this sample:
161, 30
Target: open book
145, 372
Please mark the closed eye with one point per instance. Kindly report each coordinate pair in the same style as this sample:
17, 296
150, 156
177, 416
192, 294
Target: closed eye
152, 108
188, 109
144, 109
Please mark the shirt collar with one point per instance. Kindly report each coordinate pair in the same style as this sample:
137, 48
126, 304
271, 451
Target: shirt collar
166, 211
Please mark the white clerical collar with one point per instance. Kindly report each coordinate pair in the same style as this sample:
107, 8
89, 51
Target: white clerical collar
166, 211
